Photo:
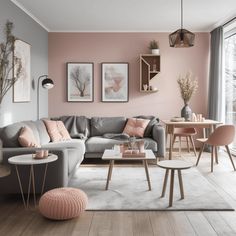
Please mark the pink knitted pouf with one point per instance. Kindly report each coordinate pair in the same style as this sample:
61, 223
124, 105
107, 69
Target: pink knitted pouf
63, 203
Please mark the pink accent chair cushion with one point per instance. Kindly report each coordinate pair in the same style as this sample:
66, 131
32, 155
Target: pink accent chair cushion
63, 203
136, 127
26, 138
57, 130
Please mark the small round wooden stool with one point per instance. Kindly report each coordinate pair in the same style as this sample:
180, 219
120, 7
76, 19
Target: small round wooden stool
173, 165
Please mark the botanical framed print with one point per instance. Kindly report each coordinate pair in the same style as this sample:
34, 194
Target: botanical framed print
80, 82
22, 87
115, 82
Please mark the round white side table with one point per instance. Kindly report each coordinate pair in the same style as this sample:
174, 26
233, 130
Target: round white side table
28, 159
172, 165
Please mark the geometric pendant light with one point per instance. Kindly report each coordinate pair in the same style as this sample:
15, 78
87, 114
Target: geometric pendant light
181, 38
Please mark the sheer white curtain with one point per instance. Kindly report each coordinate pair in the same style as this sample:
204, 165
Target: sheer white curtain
230, 76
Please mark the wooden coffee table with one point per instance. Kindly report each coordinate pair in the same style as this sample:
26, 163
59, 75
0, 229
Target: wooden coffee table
112, 156
173, 165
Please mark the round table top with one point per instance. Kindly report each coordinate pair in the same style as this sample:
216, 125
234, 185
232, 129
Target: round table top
28, 159
174, 164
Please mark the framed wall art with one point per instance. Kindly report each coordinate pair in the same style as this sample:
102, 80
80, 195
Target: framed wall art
115, 82
80, 82
22, 87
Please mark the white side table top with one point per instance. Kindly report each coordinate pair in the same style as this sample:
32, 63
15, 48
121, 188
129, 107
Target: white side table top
174, 164
28, 159
110, 154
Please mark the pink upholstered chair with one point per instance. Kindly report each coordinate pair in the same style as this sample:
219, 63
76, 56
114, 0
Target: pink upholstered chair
186, 133
222, 136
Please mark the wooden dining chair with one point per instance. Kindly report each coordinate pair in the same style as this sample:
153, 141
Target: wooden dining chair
188, 134
222, 136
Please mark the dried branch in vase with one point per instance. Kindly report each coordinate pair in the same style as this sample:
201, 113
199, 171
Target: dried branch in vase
188, 86
8, 62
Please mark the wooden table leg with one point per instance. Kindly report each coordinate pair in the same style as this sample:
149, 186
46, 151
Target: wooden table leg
44, 178
204, 132
109, 174
112, 165
216, 155
187, 144
167, 131
165, 183
181, 187
172, 176
29, 185
33, 183
193, 145
21, 189
212, 157
171, 146
147, 174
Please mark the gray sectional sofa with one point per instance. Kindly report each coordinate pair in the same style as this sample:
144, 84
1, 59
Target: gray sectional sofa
89, 140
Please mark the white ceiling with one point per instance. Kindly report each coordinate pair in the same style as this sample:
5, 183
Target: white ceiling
127, 15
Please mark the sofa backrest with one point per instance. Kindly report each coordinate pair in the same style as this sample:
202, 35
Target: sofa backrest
9, 134
104, 125
76, 125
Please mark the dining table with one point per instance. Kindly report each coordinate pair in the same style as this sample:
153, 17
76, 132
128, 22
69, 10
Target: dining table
171, 125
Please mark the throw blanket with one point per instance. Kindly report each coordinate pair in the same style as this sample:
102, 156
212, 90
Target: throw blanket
77, 126
122, 136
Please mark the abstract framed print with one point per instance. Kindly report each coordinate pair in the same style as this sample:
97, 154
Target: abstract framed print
115, 82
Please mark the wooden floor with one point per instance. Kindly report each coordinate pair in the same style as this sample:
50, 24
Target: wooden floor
14, 220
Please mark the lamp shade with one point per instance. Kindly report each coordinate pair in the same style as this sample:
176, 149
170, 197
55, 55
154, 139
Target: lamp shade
181, 38
47, 83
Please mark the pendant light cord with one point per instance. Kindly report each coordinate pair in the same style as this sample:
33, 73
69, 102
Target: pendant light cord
181, 14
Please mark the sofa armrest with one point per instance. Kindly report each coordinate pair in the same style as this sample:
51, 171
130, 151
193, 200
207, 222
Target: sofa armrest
158, 134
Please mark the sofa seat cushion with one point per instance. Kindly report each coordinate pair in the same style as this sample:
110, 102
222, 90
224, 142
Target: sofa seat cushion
99, 144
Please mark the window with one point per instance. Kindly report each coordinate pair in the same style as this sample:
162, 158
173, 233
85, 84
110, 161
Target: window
230, 76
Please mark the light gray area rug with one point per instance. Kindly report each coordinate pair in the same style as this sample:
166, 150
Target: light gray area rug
128, 190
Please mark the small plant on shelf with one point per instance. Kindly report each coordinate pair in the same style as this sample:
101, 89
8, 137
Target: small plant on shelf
153, 45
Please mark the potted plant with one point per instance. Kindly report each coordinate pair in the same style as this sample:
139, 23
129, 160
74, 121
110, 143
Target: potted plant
153, 46
188, 86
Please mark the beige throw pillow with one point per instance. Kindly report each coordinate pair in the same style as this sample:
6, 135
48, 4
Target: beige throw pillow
26, 138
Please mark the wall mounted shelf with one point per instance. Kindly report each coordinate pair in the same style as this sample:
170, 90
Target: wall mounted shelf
149, 68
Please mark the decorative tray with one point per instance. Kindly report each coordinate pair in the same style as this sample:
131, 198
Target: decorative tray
133, 154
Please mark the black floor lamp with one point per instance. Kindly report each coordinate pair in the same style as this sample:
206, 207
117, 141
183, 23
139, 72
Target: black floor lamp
47, 83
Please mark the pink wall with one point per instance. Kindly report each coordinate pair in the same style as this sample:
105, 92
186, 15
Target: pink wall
126, 47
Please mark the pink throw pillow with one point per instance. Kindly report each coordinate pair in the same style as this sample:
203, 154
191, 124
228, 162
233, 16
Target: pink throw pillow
63, 131
56, 130
136, 127
26, 138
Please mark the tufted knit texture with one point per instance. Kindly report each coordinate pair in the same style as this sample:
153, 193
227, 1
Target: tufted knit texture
63, 203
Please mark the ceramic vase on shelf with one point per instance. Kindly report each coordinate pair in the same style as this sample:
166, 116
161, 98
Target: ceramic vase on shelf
186, 112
